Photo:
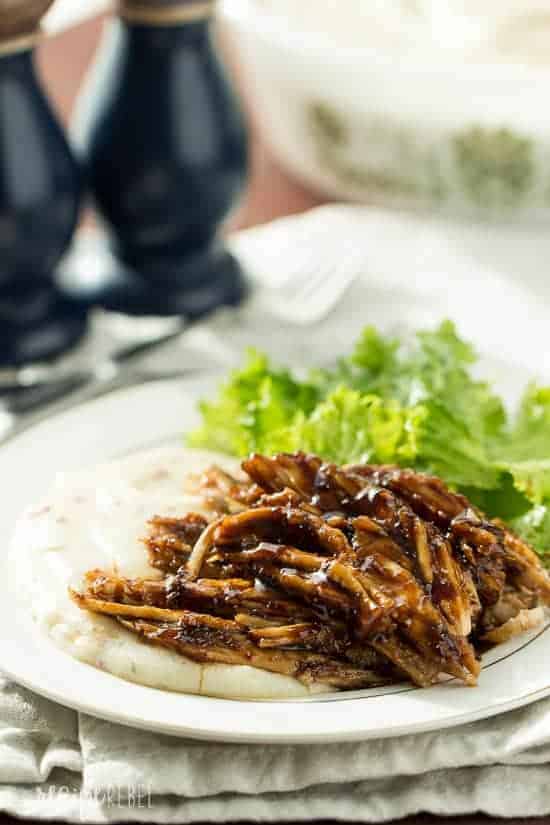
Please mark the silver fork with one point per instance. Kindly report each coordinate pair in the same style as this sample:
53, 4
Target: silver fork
304, 264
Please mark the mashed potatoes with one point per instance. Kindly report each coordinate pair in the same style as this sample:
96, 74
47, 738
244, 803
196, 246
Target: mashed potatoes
95, 519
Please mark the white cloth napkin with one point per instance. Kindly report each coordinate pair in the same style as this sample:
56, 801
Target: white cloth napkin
55, 763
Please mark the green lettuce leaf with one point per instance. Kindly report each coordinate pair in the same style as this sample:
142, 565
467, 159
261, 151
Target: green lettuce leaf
534, 527
436, 367
524, 451
373, 367
254, 403
417, 405
349, 426
532, 478
448, 448
442, 367
462, 415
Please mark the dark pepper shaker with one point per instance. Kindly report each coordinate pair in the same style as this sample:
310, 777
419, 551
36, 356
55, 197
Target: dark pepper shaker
166, 153
40, 186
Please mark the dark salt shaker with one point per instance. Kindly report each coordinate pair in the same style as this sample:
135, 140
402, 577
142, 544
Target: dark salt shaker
39, 198
166, 153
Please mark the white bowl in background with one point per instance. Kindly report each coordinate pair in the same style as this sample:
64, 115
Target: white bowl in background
404, 131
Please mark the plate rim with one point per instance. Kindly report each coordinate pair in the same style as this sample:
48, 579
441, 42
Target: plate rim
269, 717
273, 738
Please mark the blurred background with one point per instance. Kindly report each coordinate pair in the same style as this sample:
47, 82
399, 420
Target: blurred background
432, 108
74, 37
426, 105
432, 105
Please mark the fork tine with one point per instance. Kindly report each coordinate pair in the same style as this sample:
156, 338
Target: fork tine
318, 293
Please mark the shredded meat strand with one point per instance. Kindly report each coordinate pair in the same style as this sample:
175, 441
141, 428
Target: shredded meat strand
347, 576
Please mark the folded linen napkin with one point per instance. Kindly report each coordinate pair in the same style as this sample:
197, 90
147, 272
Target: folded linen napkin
57, 764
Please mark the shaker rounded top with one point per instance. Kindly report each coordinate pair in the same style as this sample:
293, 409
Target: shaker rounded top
20, 18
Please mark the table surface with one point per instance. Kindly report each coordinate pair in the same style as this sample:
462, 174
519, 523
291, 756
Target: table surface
271, 193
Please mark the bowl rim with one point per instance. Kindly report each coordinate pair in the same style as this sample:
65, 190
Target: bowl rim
263, 23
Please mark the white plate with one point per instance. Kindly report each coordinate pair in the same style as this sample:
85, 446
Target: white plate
513, 675
415, 272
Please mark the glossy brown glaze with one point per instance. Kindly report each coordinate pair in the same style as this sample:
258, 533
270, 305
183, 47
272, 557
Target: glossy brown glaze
343, 575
